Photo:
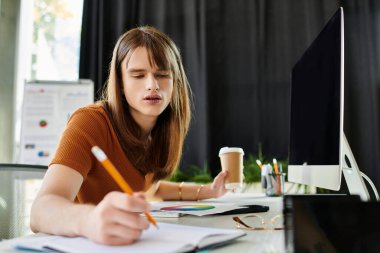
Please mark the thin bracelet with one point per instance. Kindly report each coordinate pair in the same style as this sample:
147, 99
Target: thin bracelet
180, 190
198, 191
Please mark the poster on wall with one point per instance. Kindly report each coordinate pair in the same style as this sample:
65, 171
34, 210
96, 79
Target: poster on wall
47, 106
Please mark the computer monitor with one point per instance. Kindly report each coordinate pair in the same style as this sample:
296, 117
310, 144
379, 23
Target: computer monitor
319, 151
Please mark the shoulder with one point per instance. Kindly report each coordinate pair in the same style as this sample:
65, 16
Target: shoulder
90, 121
89, 116
87, 127
93, 111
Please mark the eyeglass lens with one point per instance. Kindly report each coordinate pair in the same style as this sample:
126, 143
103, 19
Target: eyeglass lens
256, 222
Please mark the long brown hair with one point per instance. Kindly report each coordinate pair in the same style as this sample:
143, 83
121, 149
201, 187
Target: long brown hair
162, 154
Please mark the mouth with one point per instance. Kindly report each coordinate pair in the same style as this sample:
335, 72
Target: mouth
152, 98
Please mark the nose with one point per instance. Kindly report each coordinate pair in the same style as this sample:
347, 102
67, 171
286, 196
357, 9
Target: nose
152, 83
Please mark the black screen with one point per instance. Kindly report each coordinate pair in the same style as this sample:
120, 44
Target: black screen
331, 224
315, 100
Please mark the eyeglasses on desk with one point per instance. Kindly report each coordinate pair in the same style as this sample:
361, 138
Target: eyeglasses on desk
257, 222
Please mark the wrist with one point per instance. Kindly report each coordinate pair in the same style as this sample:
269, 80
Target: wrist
198, 193
82, 226
206, 192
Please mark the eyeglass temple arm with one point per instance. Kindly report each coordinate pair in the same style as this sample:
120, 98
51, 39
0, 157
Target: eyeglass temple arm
238, 220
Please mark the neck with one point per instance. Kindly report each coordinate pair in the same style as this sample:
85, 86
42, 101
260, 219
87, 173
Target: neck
146, 124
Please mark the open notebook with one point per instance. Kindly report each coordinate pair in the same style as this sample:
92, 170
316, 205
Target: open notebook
169, 238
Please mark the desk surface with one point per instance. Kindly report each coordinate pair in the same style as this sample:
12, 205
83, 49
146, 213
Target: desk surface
255, 241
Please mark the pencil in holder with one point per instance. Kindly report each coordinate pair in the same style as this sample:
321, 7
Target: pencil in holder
275, 184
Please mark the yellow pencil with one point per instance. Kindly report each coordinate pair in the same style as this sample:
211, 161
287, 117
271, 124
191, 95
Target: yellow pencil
102, 158
275, 165
259, 163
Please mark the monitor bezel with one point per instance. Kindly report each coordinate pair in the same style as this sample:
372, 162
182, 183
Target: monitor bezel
330, 176
325, 176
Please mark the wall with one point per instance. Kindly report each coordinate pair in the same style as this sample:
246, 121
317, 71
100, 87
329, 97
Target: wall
9, 10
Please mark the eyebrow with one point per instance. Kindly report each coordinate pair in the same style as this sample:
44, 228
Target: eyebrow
133, 70
136, 70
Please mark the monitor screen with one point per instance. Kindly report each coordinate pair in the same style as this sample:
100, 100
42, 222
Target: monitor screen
316, 120
335, 223
316, 100
319, 150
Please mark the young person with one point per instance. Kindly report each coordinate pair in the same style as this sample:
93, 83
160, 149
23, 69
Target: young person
140, 123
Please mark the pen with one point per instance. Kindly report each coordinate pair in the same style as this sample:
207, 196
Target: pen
268, 176
270, 168
102, 158
263, 174
259, 163
263, 177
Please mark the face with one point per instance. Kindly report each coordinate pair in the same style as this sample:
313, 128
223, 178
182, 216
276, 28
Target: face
147, 89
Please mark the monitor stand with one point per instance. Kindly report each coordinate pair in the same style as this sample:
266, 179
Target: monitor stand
351, 172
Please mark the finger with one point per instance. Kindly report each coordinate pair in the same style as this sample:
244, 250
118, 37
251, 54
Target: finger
128, 219
124, 232
119, 235
115, 241
220, 179
127, 203
140, 195
222, 175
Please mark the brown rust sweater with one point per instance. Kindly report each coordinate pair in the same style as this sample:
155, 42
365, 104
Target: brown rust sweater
90, 126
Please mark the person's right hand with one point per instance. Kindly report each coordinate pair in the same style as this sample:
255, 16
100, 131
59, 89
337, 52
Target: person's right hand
116, 219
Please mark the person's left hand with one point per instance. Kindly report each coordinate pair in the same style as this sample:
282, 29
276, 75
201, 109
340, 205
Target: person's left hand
217, 187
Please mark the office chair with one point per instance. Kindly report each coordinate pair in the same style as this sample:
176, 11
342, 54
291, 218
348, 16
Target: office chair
19, 184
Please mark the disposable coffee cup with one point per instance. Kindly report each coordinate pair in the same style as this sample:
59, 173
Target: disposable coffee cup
231, 160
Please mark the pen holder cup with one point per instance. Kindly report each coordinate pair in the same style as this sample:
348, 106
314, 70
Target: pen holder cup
275, 184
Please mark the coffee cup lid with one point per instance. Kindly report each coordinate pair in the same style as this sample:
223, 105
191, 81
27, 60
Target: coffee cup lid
225, 150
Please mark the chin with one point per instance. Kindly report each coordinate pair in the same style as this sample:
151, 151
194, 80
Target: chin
153, 113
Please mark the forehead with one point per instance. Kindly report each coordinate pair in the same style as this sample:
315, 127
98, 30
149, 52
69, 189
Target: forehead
155, 57
139, 58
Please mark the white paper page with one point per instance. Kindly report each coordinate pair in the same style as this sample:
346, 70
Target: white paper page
83, 245
169, 238
198, 208
31, 243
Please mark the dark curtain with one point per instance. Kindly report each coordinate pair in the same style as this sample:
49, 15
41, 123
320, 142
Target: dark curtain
102, 24
362, 83
183, 21
238, 56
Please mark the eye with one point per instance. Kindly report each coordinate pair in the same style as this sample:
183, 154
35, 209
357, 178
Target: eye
139, 76
163, 75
